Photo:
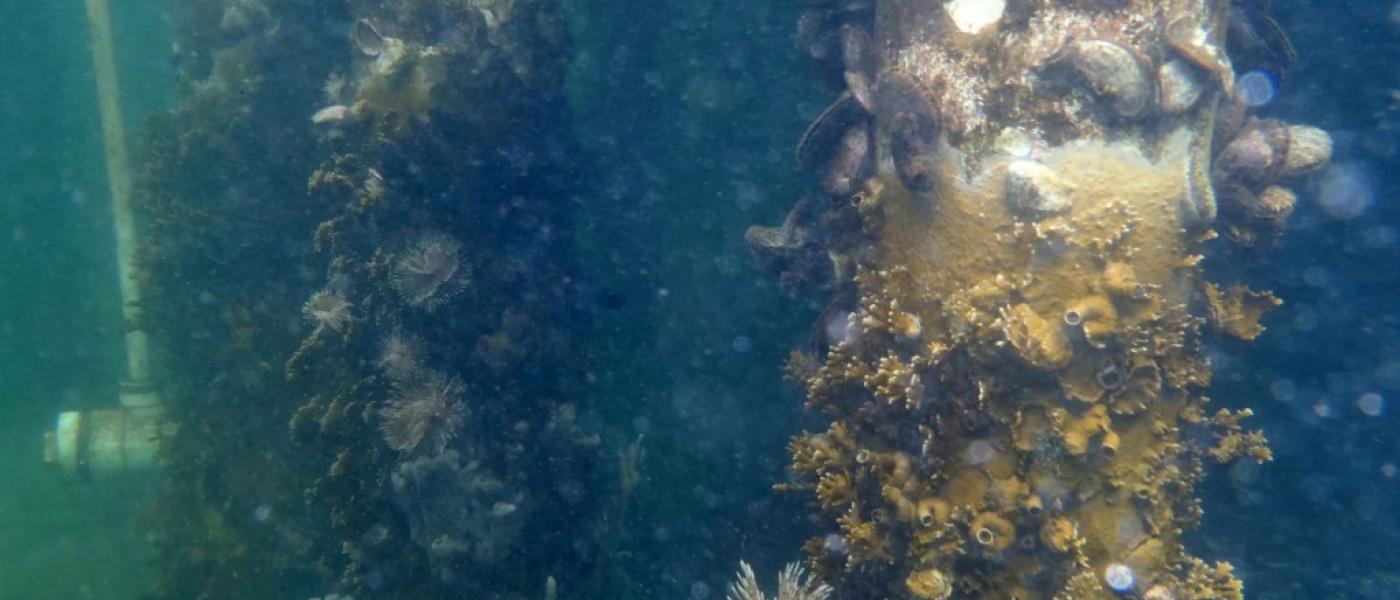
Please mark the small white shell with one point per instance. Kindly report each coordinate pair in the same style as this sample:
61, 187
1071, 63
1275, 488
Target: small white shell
331, 114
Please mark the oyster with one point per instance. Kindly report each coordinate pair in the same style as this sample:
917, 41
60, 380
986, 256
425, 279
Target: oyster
1188, 38
851, 163
824, 135
908, 113
1113, 73
367, 38
1180, 86
860, 63
1257, 41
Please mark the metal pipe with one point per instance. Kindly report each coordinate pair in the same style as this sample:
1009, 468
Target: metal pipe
102, 443
119, 185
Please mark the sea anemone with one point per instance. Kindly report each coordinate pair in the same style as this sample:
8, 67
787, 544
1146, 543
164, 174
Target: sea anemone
430, 271
327, 308
401, 355
428, 409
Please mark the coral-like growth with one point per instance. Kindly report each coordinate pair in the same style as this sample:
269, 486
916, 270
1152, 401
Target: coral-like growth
428, 410
431, 271
327, 309
793, 584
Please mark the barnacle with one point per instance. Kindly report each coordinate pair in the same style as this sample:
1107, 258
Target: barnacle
992, 532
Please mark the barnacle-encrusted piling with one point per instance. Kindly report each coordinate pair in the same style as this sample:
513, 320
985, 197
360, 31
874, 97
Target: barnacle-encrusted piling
381, 265
449, 394
1012, 361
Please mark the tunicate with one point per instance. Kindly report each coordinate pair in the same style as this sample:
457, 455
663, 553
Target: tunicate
1119, 577
1255, 88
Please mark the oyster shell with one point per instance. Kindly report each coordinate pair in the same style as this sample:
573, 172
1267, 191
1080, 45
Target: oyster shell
907, 111
1268, 150
1113, 73
367, 38
824, 135
851, 163
1188, 38
860, 64
1180, 86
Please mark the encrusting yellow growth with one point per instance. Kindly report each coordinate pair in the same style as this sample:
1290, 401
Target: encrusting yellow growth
1011, 392
1237, 310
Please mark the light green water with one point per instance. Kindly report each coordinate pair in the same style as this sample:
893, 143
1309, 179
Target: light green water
59, 312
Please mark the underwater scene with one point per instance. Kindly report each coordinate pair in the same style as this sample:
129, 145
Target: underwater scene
700, 300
